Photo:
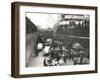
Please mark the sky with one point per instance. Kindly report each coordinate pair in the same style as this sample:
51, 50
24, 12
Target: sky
43, 20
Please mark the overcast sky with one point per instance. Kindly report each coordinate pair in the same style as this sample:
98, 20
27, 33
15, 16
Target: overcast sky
43, 20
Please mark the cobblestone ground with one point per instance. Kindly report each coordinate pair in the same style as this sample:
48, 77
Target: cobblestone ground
37, 61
